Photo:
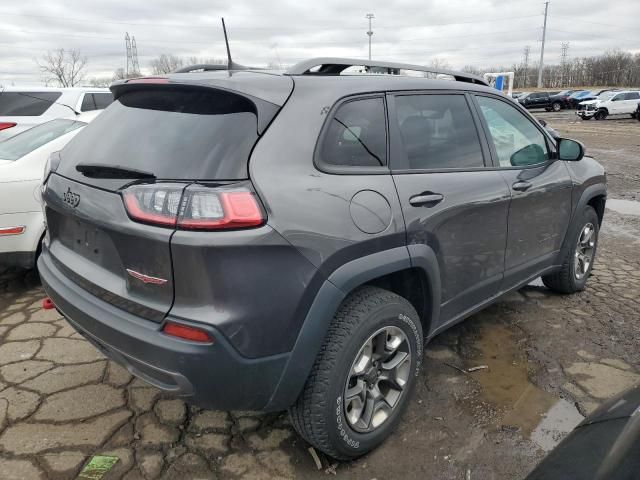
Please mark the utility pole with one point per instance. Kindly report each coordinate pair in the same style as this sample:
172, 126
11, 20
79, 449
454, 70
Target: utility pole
127, 43
544, 36
370, 32
563, 63
525, 65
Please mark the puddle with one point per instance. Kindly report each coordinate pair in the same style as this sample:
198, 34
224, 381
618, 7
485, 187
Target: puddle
625, 207
538, 415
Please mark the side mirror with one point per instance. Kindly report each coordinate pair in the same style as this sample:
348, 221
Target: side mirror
570, 150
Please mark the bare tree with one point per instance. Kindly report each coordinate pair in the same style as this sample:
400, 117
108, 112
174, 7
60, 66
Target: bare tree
65, 67
166, 64
100, 81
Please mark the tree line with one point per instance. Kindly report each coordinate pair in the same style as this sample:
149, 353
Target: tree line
616, 68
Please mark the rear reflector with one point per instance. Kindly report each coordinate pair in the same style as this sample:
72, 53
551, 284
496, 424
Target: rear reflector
5, 125
17, 230
186, 333
197, 207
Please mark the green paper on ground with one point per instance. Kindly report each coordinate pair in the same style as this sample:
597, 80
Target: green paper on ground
97, 467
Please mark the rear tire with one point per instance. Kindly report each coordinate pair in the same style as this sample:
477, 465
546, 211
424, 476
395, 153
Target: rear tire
573, 274
328, 414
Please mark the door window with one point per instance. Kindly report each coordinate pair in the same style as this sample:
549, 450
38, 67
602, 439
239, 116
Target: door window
438, 132
356, 135
517, 142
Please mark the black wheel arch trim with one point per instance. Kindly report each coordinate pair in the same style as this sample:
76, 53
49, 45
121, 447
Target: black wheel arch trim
327, 301
589, 193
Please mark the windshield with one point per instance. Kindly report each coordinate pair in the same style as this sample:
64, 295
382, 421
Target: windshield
26, 104
27, 141
606, 95
172, 133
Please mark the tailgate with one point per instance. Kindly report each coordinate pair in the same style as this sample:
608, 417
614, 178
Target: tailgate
93, 241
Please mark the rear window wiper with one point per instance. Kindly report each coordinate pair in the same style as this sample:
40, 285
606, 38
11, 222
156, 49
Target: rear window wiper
96, 170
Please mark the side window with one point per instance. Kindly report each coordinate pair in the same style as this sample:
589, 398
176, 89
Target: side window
632, 96
102, 100
356, 135
87, 103
438, 132
517, 141
618, 97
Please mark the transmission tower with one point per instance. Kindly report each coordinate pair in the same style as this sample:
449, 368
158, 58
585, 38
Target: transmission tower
134, 56
132, 67
563, 63
525, 64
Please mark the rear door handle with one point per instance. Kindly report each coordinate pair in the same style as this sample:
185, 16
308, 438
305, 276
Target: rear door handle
521, 186
426, 199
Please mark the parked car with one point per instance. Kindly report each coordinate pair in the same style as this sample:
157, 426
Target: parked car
23, 107
559, 101
576, 97
609, 103
636, 114
517, 94
22, 161
605, 446
250, 245
534, 100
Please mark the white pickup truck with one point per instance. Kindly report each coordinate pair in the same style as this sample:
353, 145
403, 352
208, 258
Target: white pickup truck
609, 103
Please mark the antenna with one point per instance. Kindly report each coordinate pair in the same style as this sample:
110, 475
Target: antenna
226, 42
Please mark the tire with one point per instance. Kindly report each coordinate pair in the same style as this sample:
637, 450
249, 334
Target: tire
556, 106
600, 115
320, 412
567, 279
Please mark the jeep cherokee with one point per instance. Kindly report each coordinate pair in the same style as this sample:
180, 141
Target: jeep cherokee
269, 241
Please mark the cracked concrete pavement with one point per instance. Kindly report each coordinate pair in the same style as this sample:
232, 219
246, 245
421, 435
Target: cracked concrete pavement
551, 360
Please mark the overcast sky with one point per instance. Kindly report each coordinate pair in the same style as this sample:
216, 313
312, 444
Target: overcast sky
460, 32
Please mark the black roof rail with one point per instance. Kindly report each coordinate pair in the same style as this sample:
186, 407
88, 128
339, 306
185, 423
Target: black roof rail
334, 66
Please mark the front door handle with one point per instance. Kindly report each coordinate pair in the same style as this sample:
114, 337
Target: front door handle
521, 186
427, 199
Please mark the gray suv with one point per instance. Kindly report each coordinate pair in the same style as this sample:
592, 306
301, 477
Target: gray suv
269, 241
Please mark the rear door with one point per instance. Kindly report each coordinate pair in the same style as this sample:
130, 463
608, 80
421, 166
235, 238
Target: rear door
631, 102
540, 187
165, 138
451, 202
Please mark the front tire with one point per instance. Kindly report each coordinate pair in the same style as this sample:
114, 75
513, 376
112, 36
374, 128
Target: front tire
600, 115
578, 261
363, 376
556, 106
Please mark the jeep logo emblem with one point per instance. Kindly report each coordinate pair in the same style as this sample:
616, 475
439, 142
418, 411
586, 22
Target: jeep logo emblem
71, 198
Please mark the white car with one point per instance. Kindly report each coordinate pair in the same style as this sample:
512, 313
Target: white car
609, 103
22, 162
24, 107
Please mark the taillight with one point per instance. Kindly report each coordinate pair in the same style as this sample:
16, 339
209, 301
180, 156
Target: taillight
154, 204
186, 332
197, 207
5, 125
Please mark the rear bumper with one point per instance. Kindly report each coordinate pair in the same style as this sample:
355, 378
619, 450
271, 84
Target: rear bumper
211, 376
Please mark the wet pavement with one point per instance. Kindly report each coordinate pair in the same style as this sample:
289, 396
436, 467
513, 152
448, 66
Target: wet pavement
544, 361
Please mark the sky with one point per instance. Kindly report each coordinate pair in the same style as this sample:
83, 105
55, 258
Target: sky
480, 33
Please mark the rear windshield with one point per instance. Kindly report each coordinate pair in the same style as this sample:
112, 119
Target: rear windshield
27, 141
195, 134
26, 104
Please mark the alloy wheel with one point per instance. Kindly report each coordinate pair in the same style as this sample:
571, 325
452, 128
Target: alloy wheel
585, 250
377, 379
